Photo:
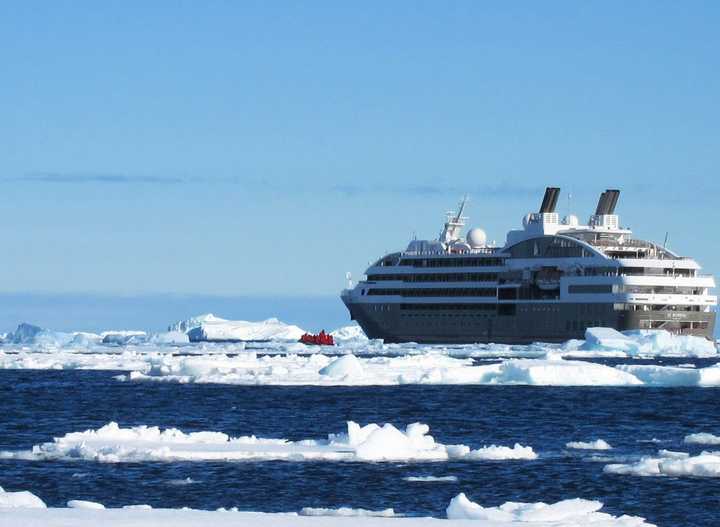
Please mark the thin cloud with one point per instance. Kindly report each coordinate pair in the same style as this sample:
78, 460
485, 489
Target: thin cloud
103, 178
437, 190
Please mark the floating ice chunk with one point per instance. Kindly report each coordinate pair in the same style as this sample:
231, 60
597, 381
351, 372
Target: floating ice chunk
702, 438
113, 444
601, 339
347, 512
139, 507
431, 479
346, 366
668, 463
577, 511
82, 504
494, 452
21, 499
653, 375
213, 328
647, 343
170, 337
123, 338
353, 332
560, 373
598, 444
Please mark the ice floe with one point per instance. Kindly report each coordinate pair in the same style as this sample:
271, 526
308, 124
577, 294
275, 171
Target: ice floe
370, 443
598, 444
668, 463
78, 513
577, 512
82, 504
347, 512
702, 438
431, 479
646, 343
19, 499
656, 375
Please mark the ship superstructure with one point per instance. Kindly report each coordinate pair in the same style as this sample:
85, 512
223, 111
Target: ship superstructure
550, 281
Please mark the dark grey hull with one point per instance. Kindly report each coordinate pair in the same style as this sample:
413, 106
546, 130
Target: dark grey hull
523, 324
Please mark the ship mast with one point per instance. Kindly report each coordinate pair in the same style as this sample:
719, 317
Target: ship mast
454, 224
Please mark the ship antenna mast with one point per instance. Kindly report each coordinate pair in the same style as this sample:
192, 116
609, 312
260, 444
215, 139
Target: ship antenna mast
454, 223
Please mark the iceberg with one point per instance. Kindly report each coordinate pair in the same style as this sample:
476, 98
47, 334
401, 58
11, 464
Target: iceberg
371, 443
349, 333
210, 328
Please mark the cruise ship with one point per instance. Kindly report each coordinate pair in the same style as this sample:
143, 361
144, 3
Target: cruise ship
551, 281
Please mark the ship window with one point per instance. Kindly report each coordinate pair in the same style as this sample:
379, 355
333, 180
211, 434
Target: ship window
590, 289
549, 247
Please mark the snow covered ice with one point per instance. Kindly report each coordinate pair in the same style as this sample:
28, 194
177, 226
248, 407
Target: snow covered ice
356, 361
668, 463
24, 508
568, 512
598, 444
210, 328
370, 443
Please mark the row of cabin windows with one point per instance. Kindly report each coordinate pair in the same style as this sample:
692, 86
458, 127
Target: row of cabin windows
660, 290
656, 271
648, 307
448, 307
598, 289
436, 277
452, 262
464, 291
550, 247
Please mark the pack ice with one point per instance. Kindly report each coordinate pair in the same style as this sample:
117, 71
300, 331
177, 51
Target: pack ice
370, 443
30, 511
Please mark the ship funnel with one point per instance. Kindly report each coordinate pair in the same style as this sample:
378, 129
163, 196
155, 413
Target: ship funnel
607, 202
614, 196
550, 200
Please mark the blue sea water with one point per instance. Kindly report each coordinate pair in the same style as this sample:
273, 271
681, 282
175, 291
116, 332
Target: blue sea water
36, 406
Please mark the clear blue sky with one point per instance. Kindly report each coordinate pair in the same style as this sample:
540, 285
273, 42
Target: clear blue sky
266, 148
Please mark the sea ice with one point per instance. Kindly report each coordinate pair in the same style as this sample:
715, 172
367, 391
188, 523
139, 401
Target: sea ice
349, 333
113, 444
598, 444
575, 512
431, 479
668, 463
20, 499
703, 438
82, 504
647, 343
567, 513
347, 512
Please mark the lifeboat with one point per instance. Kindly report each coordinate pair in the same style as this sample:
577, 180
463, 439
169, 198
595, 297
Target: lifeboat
321, 339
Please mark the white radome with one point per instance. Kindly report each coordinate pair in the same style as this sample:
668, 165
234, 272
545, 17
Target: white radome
476, 238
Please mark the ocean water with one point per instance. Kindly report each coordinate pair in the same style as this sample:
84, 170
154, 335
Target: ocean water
36, 406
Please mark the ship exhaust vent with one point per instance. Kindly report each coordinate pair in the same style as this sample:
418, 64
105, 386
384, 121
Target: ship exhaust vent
607, 202
550, 200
